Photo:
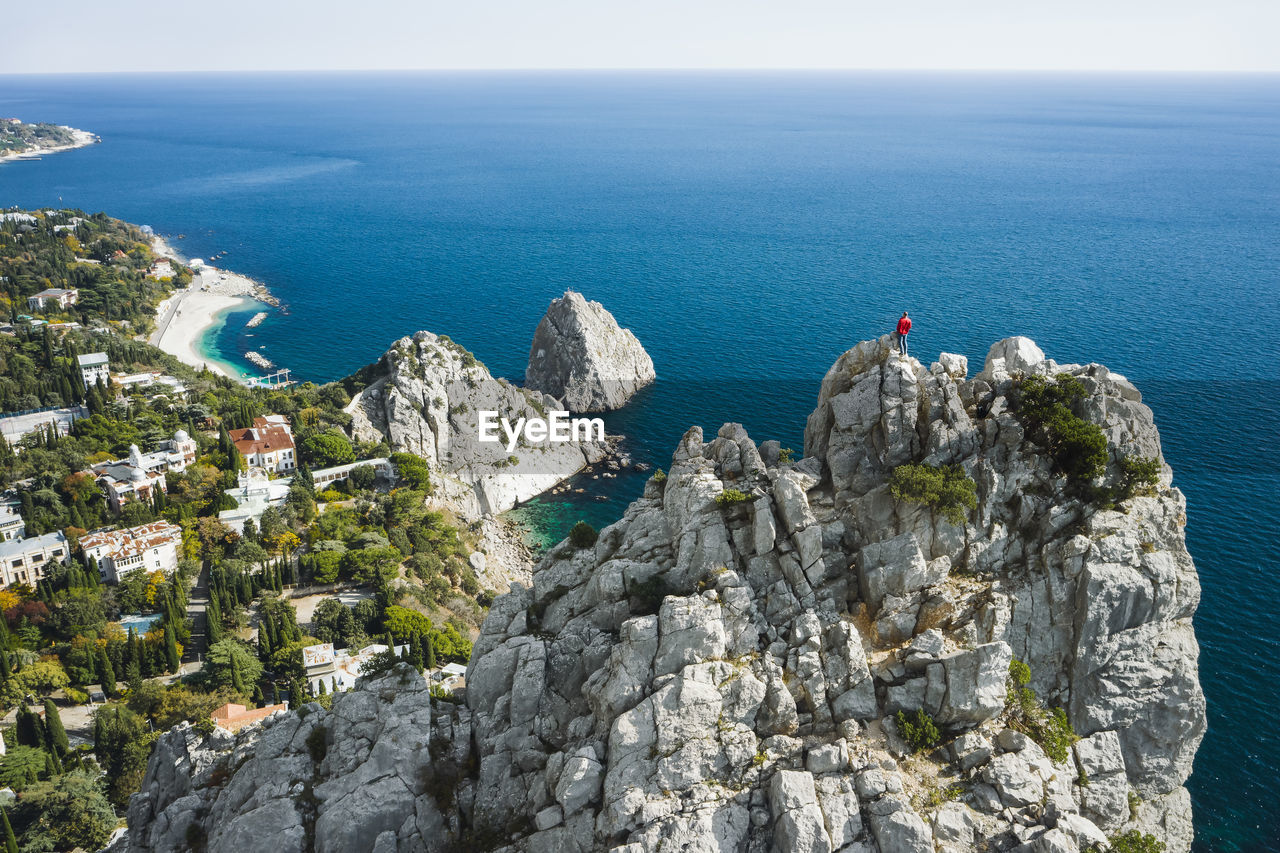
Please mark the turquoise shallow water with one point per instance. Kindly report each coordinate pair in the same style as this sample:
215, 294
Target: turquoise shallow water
749, 228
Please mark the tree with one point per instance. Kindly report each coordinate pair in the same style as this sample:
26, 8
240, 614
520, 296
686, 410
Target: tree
38, 679
21, 766
412, 471
429, 659
71, 812
403, 623
230, 655
10, 843
57, 735
327, 449
171, 655
106, 673
121, 745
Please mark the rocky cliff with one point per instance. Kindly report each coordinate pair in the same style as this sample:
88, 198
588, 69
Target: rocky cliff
721, 671
583, 358
427, 401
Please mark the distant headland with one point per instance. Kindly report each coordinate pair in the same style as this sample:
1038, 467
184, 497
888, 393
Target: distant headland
22, 141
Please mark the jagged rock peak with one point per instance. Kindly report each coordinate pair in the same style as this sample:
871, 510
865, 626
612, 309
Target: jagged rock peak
581, 356
427, 400
723, 668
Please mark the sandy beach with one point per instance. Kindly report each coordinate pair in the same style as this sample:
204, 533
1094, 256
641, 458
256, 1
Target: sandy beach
184, 318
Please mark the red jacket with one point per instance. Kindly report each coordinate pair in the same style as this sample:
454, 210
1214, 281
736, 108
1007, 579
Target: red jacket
904, 325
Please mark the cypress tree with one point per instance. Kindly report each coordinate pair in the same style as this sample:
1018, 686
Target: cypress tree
323, 690
57, 735
237, 681
430, 653
10, 842
213, 616
28, 728
415, 651
171, 648
5, 672
390, 641
258, 699
106, 674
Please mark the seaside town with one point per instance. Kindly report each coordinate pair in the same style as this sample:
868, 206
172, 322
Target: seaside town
177, 546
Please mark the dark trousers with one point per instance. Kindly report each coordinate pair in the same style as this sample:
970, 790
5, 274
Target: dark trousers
902, 344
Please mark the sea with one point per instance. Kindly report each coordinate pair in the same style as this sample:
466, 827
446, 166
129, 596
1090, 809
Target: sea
750, 227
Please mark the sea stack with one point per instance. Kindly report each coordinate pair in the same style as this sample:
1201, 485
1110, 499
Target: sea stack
426, 396
582, 357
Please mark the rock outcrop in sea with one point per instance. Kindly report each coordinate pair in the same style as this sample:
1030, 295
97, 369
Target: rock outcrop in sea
582, 357
427, 398
722, 670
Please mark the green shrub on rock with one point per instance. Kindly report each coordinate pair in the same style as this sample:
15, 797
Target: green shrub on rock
945, 489
729, 497
1023, 711
1050, 410
918, 731
1136, 842
583, 535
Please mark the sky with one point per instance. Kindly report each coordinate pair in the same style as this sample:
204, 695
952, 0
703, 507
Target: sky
244, 35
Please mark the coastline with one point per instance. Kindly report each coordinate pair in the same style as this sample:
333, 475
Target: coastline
83, 139
189, 319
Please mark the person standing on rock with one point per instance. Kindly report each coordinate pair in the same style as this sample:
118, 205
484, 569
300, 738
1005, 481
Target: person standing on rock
904, 326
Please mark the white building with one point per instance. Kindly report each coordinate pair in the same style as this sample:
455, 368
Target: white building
150, 547
94, 366
23, 560
323, 477
139, 476
12, 526
339, 670
128, 381
255, 492
53, 297
268, 444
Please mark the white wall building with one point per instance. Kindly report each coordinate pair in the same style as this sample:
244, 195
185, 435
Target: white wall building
339, 670
253, 495
23, 560
53, 297
12, 525
137, 478
94, 366
268, 444
150, 547
323, 477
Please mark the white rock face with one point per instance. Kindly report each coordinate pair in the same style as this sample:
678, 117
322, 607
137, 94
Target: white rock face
582, 357
429, 403
724, 677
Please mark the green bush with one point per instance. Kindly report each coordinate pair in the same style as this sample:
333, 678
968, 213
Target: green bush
1049, 728
919, 731
1050, 410
583, 535
1136, 842
729, 497
945, 489
659, 476
1138, 476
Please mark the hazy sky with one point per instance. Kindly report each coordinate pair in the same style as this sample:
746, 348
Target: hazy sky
132, 35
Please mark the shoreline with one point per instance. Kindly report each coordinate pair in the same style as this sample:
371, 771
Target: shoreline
83, 139
189, 319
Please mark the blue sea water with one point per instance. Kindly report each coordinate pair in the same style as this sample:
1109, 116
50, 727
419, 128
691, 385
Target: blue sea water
749, 228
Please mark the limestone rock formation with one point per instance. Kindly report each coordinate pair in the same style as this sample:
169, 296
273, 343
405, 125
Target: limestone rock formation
583, 358
723, 675
428, 401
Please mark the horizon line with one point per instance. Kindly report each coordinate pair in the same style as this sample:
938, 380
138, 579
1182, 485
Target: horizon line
657, 70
